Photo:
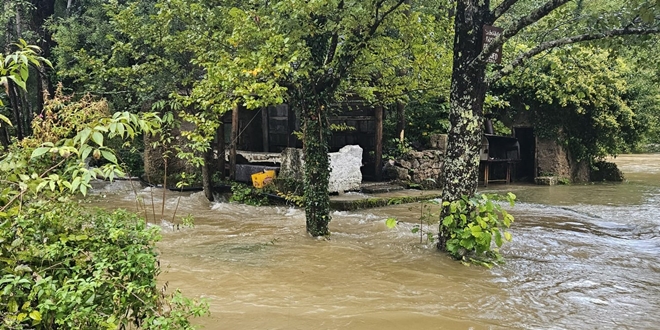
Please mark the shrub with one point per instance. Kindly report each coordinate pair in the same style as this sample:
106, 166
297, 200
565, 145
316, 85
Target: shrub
63, 267
470, 225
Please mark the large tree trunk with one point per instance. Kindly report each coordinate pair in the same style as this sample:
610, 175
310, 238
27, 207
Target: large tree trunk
468, 91
317, 168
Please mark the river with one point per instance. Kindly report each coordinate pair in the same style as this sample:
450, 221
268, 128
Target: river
582, 257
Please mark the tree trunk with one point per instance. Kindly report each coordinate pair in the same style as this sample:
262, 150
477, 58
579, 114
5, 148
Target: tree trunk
14, 100
468, 91
206, 175
221, 150
316, 134
234, 143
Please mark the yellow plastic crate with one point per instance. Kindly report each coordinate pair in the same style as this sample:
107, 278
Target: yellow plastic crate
261, 179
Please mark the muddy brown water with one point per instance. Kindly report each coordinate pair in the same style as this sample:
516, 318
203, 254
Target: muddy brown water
583, 257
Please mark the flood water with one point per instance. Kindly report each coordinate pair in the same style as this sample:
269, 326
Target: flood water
582, 257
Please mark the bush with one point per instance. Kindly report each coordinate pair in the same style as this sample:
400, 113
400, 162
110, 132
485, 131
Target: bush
470, 225
62, 267
65, 267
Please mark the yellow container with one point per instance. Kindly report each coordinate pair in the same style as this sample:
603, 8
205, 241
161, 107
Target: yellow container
261, 179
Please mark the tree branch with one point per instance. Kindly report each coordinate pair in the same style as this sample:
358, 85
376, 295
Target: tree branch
380, 20
501, 9
522, 23
565, 41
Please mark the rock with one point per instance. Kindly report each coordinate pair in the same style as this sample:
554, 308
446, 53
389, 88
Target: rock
438, 141
546, 180
292, 165
606, 171
405, 164
345, 174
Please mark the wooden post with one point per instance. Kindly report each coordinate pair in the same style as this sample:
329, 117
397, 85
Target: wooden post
221, 150
400, 120
234, 143
379, 142
264, 128
291, 117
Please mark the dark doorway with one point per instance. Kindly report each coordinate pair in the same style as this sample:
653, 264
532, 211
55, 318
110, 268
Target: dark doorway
525, 169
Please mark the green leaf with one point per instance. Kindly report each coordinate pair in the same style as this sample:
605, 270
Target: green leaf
3, 118
18, 82
85, 152
498, 238
35, 315
75, 184
98, 138
39, 151
84, 135
448, 220
390, 223
507, 235
12, 306
109, 156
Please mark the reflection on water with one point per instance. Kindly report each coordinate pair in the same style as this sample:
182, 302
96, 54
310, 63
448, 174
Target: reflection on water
583, 257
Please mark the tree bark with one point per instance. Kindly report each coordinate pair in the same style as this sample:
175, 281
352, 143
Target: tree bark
44, 10
468, 91
15, 103
316, 133
234, 143
206, 175
221, 150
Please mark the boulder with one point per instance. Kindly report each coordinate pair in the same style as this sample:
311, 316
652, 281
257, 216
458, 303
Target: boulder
292, 165
345, 174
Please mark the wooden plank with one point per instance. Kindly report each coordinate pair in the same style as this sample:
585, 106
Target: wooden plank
291, 114
264, 128
221, 150
356, 118
234, 143
379, 142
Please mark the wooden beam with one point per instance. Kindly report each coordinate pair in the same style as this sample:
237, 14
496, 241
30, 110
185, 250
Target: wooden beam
379, 142
221, 150
400, 120
264, 128
234, 143
291, 114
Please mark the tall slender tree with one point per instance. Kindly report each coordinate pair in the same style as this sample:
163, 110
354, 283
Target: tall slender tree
472, 74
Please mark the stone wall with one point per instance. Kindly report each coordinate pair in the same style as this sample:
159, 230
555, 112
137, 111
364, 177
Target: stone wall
553, 160
418, 167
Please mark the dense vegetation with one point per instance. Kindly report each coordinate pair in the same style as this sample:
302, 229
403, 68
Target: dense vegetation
585, 70
67, 267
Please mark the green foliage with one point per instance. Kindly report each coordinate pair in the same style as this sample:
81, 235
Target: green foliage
65, 268
244, 194
426, 217
468, 227
577, 96
15, 67
394, 148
